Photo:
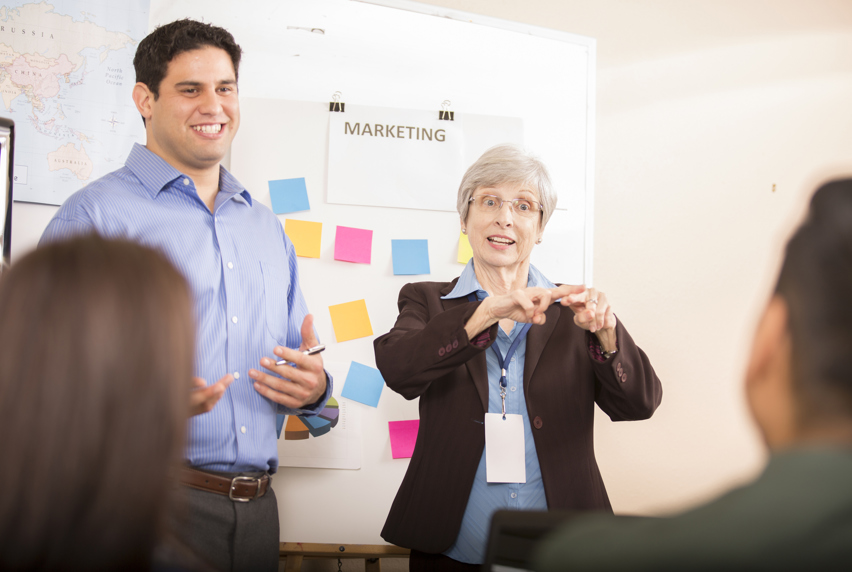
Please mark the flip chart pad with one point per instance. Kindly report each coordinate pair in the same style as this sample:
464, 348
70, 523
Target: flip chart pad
410, 256
364, 384
305, 235
353, 244
403, 436
289, 195
350, 320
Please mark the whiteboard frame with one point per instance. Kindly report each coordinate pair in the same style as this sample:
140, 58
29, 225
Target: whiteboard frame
589, 43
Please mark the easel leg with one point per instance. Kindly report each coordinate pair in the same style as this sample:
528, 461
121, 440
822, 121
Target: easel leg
294, 563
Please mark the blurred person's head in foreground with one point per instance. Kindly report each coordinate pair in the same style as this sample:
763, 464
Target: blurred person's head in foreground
799, 383
797, 514
96, 362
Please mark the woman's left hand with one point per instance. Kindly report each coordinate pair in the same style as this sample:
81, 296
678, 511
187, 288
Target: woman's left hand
594, 313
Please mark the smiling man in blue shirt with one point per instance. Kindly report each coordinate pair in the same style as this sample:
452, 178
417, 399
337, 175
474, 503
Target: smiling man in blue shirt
174, 194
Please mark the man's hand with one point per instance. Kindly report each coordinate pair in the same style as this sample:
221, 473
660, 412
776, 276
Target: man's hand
203, 398
301, 385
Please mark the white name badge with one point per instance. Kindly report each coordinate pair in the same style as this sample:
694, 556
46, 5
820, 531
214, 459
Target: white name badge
504, 449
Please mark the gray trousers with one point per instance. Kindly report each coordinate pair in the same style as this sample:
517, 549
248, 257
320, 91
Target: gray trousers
228, 535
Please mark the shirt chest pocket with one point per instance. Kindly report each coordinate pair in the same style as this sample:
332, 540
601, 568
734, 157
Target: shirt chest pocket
276, 295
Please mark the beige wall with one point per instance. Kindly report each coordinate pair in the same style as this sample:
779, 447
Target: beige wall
703, 106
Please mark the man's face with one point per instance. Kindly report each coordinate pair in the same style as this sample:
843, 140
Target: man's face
192, 123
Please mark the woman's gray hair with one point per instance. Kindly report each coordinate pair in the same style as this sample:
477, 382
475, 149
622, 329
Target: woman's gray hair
507, 164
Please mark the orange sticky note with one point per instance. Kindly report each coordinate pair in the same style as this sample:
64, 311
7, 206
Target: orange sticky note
350, 320
305, 235
465, 252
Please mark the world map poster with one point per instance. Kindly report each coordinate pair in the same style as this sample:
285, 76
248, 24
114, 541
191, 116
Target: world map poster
66, 77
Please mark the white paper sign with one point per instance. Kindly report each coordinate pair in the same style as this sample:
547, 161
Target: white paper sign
388, 157
504, 449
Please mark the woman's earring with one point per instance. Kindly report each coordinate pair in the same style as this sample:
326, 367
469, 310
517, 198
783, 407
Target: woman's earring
538, 241
464, 231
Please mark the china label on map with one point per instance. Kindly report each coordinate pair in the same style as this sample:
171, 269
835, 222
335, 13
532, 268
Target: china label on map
66, 78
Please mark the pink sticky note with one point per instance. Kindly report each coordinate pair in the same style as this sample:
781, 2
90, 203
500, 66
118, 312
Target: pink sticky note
353, 244
403, 435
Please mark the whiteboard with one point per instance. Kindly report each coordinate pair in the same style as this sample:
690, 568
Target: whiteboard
483, 70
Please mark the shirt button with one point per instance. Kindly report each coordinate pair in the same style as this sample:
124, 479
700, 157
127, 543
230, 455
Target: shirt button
513, 359
514, 388
186, 182
243, 429
230, 265
514, 495
236, 375
234, 319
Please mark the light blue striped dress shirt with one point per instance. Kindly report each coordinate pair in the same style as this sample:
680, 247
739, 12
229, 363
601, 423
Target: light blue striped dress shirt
242, 270
486, 498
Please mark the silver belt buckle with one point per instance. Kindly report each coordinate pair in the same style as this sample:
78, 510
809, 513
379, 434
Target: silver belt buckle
234, 482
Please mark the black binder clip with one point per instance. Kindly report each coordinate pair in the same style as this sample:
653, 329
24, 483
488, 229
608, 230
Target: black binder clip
335, 104
445, 114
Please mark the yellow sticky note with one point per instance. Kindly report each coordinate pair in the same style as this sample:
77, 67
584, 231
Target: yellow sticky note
465, 252
350, 320
305, 235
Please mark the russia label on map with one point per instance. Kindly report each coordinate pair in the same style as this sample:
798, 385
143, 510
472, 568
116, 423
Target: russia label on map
66, 78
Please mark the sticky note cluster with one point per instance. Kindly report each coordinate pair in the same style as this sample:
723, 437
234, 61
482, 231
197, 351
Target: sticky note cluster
410, 257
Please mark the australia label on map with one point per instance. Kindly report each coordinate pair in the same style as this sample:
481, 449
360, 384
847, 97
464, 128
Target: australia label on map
66, 78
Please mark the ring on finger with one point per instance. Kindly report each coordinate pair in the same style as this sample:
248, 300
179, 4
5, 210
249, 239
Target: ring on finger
593, 301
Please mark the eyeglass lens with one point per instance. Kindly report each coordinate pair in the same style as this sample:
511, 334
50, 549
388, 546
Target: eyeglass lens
520, 206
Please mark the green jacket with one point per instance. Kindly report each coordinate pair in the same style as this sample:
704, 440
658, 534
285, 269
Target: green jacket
796, 516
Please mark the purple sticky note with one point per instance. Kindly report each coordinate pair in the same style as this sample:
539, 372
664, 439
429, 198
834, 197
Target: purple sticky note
353, 244
403, 435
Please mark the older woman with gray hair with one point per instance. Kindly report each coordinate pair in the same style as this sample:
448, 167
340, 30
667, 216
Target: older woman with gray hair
508, 367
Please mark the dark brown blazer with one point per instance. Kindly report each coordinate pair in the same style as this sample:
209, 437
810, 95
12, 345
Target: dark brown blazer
427, 354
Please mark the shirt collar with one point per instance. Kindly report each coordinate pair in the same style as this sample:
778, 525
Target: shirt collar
229, 185
156, 174
467, 282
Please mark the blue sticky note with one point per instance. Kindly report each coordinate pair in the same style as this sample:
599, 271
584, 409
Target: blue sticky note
289, 195
363, 384
410, 256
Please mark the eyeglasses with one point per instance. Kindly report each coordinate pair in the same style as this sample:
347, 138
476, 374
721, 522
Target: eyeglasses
491, 204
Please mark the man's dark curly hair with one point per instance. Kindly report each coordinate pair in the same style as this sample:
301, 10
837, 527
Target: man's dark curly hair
167, 42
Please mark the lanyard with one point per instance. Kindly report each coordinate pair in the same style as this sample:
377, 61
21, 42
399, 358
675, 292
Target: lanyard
504, 363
